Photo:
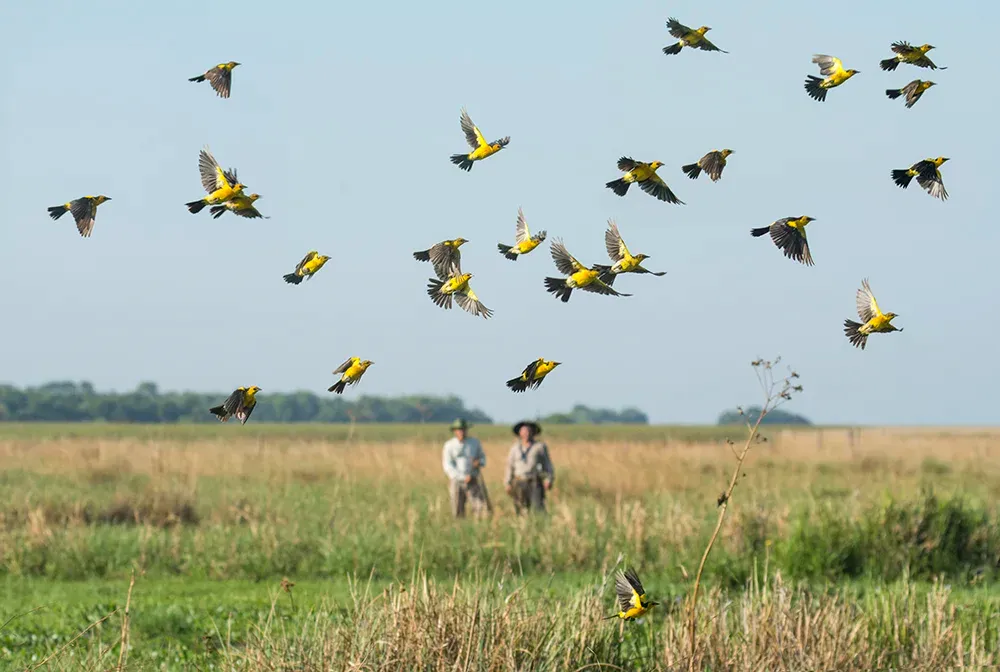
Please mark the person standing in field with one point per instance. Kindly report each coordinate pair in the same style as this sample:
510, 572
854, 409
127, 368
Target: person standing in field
529, 469
463, 460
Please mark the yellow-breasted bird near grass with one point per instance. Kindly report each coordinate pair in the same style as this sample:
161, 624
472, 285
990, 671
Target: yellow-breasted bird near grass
928, 176
221, 185
480, 148
632, 599
624, 261
873, 320
789, 236
445, 257
533, 375
524, 242
447, 287
712, 163
907, 53
350, 373
84, 211
688, 37
242, 205
912, 91
220, 77
239, 404
579, 276
643, 174
307, 268
833, 70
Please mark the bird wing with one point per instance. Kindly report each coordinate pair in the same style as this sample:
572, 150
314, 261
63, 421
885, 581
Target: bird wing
234, 402
633, 579
221, 79
565, 261
84, 211
310, 255
470, 303
472, 134
910, 89
598, 286
246, 411
655, 186
676, 28
351, 361
934, 185
867, 305
529, 371
925, 62
828, 65
705, 45
627, 597
447, 260
626, 163
902, 48
249, 211
613, 241
712, 164
522, 233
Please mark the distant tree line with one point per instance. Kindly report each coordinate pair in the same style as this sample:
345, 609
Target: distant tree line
584, 415
775, 417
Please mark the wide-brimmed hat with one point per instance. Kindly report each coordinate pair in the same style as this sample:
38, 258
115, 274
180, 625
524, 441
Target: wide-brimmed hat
459, 423
535, 427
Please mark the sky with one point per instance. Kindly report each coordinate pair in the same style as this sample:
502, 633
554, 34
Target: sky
343, 116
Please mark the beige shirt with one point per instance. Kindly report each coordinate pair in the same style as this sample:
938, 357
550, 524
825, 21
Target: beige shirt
458, 456
529, 462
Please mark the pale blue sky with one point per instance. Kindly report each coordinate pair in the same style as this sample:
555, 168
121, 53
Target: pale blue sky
343, 118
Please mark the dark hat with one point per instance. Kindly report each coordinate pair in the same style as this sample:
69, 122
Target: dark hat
459, 423
536, 429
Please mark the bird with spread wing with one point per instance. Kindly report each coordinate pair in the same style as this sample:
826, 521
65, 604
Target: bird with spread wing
239, 405
643, 174
833, 73
444, 256
873, 320
524, 242
242, 205
455, 285
688, 37
533, 375
84, 211
307, 268
789, 236
624, 261
912, 91
578, 276
220, 78
928, 176
907, 53
221, 185
712, 163
632, 599
480, 148
350, 373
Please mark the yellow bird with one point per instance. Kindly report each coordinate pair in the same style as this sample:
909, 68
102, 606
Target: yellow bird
533, 375
480, 148
632, 599
644, 174
307, 268
524, 242
84, 211
447, 287
712, 163
624, 261
220, 77
579, 276
907, 53
239, 205
873, 320
833, 70
445, 257
221, 185
350, 373
789, 236
686, 37
927, 174
912, 91
239, 404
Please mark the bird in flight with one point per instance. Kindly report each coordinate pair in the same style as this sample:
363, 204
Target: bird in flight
239, 404
789, 236
524, 242
712, 163
84, 211
307, 268
632, 599
928, 176
456, 286
833, 70
579, 276
873, 320
624, 261
221, 185
912, 91
220, 77
533, 375
643, 174
480, 148
444, 256
239, 205
907, 53
686, 37
350, 373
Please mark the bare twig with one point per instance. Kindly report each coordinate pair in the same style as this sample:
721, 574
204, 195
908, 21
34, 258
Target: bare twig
78, 636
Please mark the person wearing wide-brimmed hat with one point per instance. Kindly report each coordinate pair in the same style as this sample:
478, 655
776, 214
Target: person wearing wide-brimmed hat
463, 459
529, 470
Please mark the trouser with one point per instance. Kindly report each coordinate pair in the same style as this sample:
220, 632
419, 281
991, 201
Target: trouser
463, 493
528, 494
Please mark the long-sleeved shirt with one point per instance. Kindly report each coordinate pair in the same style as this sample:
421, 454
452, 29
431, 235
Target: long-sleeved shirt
458, 455
527, 462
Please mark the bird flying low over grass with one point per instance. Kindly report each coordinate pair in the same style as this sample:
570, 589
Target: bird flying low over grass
927, 174
643, 174
350, 373
221, 185
687, 37
833, 70
84, 211
444, 256
873, 320
307, 268
907, 53
524, 242
456, 286
912, 91
712, 163
239, 205
220, 77
480, 148
533, 375
240, 405
624, 261
789, 236
580, 276
632, 599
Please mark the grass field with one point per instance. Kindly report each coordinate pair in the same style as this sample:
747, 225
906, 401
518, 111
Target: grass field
844, 549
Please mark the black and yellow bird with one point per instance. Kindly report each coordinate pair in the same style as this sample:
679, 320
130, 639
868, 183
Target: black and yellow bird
712, 163
912, 91
307, 268
533, 375
643, 174
242, 205
445, 256
579, 276
221, 185
632, 599
789, 236
524, 242
688, 37
84, 211
456, 286
624, 261
350, 373
873, 320
907, 53
480, 148
833, 73
220, 77
928, 176
239, 404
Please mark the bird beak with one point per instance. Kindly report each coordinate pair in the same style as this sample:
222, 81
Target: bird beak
941, 162
108, 198
556, 363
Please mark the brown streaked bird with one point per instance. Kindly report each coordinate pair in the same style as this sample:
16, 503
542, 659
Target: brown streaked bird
712, 163
789, 236
445, 257
84, 211
912, 91
220, 78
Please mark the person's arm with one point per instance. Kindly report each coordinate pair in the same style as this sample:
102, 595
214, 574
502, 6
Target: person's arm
508, 477
448, 462
546, 462
480, 454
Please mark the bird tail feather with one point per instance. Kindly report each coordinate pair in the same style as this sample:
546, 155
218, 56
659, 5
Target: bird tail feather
437, 296
505, 250
338, 387
517, 384
813, 88
902, 177
852, 330
606, 276
889, 64
757, 233
692, 170
219, 411
674, 48
199, 78
57, 211
462, 161
423, 255
194, 207
619, 186
293, 278
217, 211
893, 93
559, 287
